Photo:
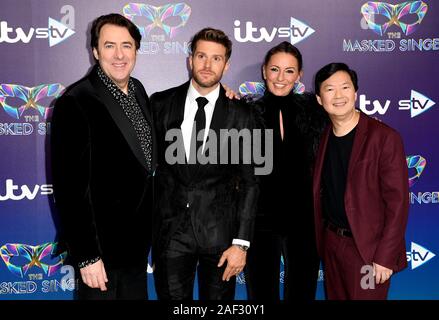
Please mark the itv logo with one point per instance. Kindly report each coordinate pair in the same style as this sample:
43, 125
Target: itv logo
56, 31
16, 193
417, 104
297, 31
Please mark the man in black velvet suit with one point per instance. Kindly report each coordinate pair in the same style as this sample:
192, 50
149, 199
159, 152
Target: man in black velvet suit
103, 162
205, 212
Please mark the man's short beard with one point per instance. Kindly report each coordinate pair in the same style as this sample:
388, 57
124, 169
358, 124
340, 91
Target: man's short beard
208, 84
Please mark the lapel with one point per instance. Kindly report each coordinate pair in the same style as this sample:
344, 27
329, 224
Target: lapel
143, 101
359, 139
222, 118
119, 117
220, 113
318, 215
319, 163
176, 111
174, 119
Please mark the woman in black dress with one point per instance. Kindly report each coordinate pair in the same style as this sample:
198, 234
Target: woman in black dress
285, 221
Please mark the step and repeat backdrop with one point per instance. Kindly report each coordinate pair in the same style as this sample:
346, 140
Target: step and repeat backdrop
393, 45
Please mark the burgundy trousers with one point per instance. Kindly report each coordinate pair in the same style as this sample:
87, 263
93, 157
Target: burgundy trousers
343, 265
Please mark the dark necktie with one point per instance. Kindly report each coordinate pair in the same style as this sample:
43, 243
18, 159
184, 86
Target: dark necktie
199, 122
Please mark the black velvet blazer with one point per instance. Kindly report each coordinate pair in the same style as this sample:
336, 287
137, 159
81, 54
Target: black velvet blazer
219, 210
103, 190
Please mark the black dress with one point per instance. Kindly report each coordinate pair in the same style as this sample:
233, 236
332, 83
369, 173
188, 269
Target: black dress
285, 221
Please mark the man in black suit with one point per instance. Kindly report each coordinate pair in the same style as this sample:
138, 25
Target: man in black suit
205, 212
103, 162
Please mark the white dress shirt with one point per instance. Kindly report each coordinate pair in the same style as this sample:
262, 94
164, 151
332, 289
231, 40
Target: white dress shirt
190, 109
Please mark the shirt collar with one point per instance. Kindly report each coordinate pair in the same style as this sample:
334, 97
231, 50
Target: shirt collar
211, 96
113, 88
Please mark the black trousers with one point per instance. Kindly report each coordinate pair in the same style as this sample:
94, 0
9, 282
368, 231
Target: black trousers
123, 284
175, 270
301, 265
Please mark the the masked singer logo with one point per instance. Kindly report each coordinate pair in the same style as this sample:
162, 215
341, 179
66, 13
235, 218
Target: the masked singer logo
252, 89
393, 23
24, 98
169, 19
157, 17
418, 163
25, 257
394, 14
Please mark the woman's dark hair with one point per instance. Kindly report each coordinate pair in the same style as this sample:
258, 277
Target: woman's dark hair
328, 70
284, 47
117, 20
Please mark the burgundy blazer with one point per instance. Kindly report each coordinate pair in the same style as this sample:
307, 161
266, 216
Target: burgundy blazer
376, 196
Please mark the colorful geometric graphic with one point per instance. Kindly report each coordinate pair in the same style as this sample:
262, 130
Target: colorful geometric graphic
31, 97
32, 256
394, 13
253, 89
157, 16
417, 162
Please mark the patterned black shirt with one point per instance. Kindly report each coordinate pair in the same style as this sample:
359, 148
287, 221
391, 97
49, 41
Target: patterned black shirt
133, 112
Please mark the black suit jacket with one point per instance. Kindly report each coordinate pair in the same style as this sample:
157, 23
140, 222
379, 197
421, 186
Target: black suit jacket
103, 190
220, 199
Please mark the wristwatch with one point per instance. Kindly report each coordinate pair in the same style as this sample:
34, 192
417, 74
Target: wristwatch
242, 247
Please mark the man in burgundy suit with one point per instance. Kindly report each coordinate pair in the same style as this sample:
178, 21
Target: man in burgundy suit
360, 193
